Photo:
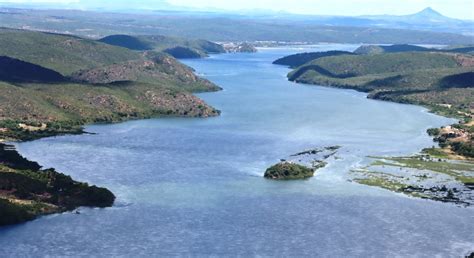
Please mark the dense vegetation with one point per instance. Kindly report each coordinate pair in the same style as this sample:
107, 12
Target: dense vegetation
177, 47
296, 60
95, 82
26, 191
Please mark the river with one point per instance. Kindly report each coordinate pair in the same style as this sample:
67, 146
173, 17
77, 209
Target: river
195, 187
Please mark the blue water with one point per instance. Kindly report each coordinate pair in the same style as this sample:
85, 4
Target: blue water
194, 187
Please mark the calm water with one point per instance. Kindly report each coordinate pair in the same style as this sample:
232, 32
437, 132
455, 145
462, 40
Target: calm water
195, 186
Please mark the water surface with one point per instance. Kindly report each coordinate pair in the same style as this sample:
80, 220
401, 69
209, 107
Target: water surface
195, 186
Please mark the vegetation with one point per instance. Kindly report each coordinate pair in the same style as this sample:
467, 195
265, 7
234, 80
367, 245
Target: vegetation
288, 171
296, 60
53, 84
61, 53
95, 82
177, 47
423, 176
442, 81
26, 191
377, 49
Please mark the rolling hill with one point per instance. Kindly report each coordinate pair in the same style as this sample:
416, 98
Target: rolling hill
177, 47
442, 81
53, 84
71, 80
296, 60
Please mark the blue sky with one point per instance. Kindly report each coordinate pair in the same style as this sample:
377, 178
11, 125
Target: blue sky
463, 9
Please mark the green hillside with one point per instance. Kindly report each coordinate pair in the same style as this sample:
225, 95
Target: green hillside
444, 82
104, 83
64, 54
54, 84
377, 49
348, 66
394, 73
175, 46
296, 60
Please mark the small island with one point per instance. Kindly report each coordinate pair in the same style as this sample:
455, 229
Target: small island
288, 171
301, 165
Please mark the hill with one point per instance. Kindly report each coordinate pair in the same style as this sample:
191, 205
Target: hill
296, 60
177, 47
94, 82
302, 58
62, 53
53, 84
377, 49
441, 81
349, 66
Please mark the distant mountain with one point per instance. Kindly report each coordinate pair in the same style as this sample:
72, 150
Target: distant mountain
426, 15
427, 19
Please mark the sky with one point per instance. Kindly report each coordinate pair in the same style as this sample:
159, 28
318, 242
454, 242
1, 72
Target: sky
461, 9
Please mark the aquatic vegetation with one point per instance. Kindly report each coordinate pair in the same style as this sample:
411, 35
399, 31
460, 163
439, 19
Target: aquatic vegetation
421, 176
